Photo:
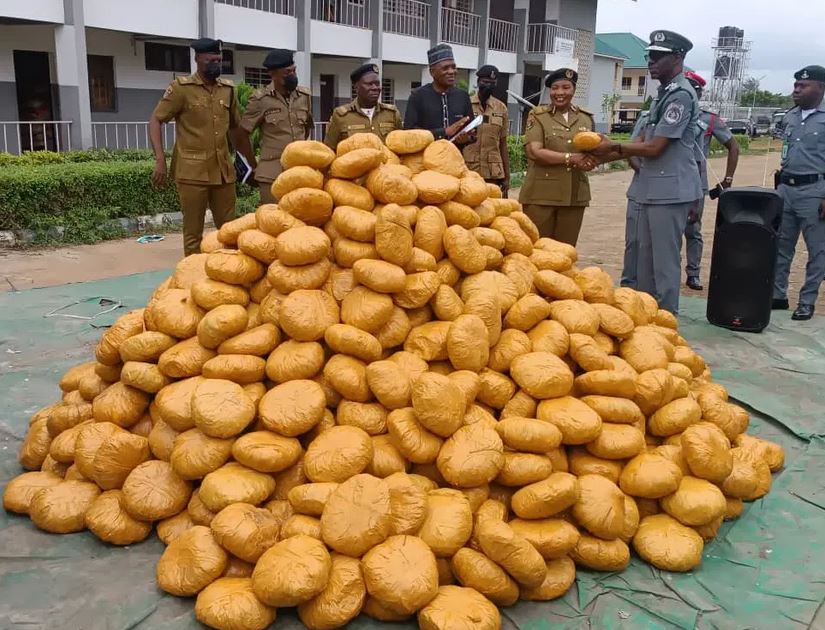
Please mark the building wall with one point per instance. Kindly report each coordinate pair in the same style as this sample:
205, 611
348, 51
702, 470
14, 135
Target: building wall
176, 18
22, 37
631, 98
604, 76
40, 10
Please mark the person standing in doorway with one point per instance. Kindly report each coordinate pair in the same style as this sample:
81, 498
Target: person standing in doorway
667, 184
802, 186
283, 112
205, 109
709, 126
488, 156
440, 106
366, 113
556, 191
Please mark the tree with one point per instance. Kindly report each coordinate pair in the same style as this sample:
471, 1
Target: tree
752, 96
609, 102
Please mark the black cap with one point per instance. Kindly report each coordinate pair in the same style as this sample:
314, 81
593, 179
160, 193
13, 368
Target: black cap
278, 58
438, 53
811, 73
207, 45
487, 72
360, 71
668, 41
562, 74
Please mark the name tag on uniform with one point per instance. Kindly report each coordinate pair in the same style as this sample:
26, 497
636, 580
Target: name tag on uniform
356, 126
584, 129
785, 147
386, 125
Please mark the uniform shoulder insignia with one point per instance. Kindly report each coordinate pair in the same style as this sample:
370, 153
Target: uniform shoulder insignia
541, 109
342, 110
227, 82
304, 90
584, 111
390, 107
259, 93
185, 80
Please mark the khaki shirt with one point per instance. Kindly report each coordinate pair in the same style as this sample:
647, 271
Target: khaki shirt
348, 120
555, 185
282, 120
203, 118
484, 155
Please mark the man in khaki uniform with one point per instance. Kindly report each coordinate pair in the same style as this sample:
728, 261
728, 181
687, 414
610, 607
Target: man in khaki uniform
205, 109
488, 156
283, 111
366, 114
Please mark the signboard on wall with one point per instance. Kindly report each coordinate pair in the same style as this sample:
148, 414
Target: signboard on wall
564, 47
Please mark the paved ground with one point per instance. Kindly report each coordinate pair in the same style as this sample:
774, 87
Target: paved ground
601, 242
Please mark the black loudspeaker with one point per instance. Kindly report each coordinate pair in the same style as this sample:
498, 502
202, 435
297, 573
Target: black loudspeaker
743, 263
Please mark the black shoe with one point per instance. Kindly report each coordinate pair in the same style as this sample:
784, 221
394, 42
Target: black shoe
779, 305
803, 312
693, 283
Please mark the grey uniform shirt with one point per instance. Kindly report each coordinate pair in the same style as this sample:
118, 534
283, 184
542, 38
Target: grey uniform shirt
803, 152
709, 126
672, 177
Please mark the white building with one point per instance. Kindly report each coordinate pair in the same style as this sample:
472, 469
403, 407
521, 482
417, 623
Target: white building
82, 73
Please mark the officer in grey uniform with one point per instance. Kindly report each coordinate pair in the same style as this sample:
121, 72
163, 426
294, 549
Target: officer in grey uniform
801, 183
667, 184
631, 245
709, 126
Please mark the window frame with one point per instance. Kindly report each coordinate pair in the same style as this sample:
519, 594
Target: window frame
113, 85
182, 52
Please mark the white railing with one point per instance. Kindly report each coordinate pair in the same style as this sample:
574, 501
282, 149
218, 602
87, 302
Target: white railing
347, 12
407, 17
129, 135
284, 7
551, 38
19, 136
503, 36
515, 125
459, 27
319, 130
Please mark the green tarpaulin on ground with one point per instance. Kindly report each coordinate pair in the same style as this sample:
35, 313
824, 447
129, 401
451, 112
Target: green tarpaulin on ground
765, 570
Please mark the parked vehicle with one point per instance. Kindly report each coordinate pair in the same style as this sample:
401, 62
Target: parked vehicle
776, 131
762, 127
623, 126
742, 126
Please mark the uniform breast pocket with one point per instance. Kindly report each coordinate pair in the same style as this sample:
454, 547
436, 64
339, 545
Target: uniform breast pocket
273, 117
815, 137
663, 187
497, 120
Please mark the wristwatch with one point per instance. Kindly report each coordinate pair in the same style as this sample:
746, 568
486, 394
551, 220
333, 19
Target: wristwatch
728, 181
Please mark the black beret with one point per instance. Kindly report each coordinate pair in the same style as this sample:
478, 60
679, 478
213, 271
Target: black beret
668, 41
811, 73
562, 74
438, 53
278, 58
206, 45
487, 72
360, 71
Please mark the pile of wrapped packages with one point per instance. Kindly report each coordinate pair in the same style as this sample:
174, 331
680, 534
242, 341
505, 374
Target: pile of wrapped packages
386, 395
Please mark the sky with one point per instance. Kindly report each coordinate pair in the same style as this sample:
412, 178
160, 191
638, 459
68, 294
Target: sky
786, 35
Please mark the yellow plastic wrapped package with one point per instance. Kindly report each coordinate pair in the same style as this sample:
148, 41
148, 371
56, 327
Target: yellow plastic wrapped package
696, 502
743, 481
312, 206
587, 352
477, 571
295, 360
617, 442
220, 408
116, 456
302, 246
357, 515
581, 462
408, 141
578, 423
513, 552
304, 315
340, 601
521, 469
234, 483
61, 508
245, 530
278, 580
153, 491
528, 434
191, 562
292, 408
170, 528
120, 404
310, 498
356, 163
412, 439
459, 608
266, 451
185, 359
391, 184
438, 403
449, 522
546, 498
408, 504
297, 177
337, 454
464, 251
675, 417
468, 345
542, 375
18, 493
600, 508
174, 403
707, 452
273, 220
242, 369
650, 476
561, 573
257, 341
107, 519
197, 510
443, 156
36, 445
472, 456
146, 346
390, 385
601, 555
233, 267
665, 543
552, 538
229, 603
366, 309
108, 348
576, 316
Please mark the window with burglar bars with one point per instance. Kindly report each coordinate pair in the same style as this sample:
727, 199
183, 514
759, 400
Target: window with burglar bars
256, 77
387, 91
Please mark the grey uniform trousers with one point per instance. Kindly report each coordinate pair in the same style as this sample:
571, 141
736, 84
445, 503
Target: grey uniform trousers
694, 243
653, 244
800, 213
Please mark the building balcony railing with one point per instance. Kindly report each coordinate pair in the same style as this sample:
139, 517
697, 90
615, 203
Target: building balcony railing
319, 130
503, 36
346, 12
551, 38
460, 27
19, 136
285, 7
407, 17
641, 91
129, 135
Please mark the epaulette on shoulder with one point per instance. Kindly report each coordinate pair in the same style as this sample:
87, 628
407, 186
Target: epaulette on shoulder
584, 111
341, 110
541, 109
389, 106
226, 82
304, 90
188, 80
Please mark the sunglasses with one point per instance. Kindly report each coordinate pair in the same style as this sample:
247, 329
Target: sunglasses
656, 55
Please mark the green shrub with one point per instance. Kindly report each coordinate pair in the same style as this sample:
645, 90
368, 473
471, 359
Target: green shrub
42, 158
743, 140
518, 157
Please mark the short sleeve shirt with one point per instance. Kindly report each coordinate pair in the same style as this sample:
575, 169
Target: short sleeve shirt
803, 151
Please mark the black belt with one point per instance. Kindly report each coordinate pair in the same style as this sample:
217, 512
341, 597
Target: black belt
799, 180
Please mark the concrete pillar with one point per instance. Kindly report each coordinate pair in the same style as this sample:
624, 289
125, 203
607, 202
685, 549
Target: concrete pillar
435, 22
303, 56
73, 74
206, 18
377, 25
514, 109
483, 7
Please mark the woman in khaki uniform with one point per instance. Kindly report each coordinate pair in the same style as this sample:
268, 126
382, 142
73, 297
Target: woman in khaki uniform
556, 191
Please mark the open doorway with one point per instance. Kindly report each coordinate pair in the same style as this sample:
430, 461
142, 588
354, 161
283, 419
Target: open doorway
34, 99
327, 96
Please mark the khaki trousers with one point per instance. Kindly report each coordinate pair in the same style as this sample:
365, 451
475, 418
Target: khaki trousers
266, 192
194, 199
561, 223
